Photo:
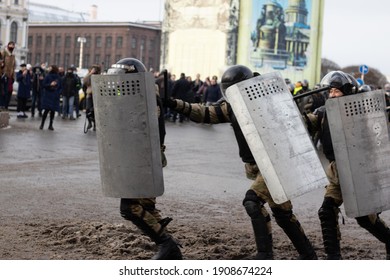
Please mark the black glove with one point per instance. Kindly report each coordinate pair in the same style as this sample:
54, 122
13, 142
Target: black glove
170, 103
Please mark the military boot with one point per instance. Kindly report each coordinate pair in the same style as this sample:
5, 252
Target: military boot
168, 248
292, 228
378, 228
328, 214
260, 220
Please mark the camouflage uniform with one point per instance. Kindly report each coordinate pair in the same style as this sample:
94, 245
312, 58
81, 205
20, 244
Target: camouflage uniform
258, 194
330, 208
142, 212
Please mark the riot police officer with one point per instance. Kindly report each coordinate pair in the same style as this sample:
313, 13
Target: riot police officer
258, 195
143, 212
340, 84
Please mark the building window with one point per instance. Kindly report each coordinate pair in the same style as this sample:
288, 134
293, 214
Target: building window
107, 60
88, 42
119, 42
57, 43
16, 2
14, 32
57, 59
48, 42
97, 59
29, 55
98, 41
152, 45
118, 57
67, 59
134, 43
109, 42
86, 60
30, 42
77, 59
67, 42
48, 58
38, 58
39, 41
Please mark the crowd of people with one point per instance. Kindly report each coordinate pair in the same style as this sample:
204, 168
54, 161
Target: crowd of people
52, 89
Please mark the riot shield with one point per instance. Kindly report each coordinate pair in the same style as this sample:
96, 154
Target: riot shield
277, 136
128, 135
360, 138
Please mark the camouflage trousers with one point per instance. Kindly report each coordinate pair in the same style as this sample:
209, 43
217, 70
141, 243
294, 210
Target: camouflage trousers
333, 190
261, 189
145, 209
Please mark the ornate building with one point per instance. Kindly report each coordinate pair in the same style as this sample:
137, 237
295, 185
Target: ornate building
13, 26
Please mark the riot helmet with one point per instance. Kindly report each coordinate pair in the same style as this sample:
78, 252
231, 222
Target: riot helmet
364, 88
127, 65
346, 83
234, 75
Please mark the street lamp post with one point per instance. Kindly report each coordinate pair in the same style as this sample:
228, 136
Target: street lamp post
81, 40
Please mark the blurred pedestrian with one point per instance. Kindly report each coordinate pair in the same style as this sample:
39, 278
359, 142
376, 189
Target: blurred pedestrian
24, 79
51, 96
8, 77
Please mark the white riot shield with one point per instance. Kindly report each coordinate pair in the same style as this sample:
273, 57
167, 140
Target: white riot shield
128, 135
276, 134
360, 138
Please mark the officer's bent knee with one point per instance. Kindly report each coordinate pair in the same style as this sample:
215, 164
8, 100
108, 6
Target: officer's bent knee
327, 208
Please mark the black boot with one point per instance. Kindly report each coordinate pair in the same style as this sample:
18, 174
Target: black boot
378, 228
291, 226
328, 214
261, 226
168, 248
43, 120
51, 125
51, 120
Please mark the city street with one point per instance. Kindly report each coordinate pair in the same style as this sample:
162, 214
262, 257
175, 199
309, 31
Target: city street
52, 205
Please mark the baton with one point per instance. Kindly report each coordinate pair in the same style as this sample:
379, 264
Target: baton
310, 92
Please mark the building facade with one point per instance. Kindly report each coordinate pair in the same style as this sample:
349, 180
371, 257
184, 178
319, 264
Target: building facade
102, 43
13, 26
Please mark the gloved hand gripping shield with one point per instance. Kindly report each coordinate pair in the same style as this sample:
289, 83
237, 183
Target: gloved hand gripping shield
276, 134
128, 135
360, 138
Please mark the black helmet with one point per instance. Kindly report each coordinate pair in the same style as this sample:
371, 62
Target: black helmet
127, 65
234, 75
346, 83
364, 88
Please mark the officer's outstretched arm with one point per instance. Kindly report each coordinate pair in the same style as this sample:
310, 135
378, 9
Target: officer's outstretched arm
218, 113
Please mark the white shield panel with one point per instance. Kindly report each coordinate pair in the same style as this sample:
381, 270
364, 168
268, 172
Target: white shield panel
360, 138
277, 136
128, 135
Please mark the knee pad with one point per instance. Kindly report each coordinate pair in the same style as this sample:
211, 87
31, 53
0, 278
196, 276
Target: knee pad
253, 204
284, 218
281, 214
125, 209
328, 209
364, 222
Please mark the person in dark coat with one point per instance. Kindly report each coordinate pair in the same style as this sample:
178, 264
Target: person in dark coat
51, 95
182, 90
24, 78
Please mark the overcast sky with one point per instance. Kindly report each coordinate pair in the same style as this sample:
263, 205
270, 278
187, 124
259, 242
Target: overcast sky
354, 30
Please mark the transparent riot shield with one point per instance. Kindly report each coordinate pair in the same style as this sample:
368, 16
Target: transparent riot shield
277, 136
128, 135
360, 138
